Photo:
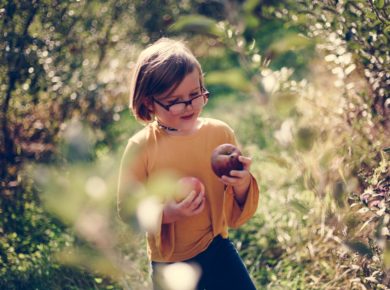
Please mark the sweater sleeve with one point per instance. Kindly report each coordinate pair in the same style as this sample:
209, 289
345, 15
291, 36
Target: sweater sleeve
237, 215
133, 176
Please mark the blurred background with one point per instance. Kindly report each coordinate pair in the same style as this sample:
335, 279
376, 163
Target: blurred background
305, 85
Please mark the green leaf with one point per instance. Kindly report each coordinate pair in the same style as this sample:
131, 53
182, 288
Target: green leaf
386, 255
305, 138
233, 78
379, 4
284, 102
299, 206
387, 29
371, 15
250, 5
360, 248
196, 23
98, 280
280, 161
289, 42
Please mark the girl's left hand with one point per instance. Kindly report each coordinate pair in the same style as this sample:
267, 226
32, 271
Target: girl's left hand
239, 179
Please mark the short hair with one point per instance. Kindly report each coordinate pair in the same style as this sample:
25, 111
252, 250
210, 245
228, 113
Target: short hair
160, 69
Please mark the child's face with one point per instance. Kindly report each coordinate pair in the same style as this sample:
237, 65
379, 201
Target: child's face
185, 121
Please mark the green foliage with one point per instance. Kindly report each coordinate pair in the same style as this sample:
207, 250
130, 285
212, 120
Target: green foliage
333, 145
197, 24
51, 73
30, 237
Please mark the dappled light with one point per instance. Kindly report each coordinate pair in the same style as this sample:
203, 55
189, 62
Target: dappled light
149, 214
96, 187
180, 276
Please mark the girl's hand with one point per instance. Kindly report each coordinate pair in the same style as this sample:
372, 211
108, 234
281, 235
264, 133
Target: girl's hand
192, 205
239, 179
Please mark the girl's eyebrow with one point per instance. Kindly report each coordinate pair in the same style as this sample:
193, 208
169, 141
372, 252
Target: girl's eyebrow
178, 96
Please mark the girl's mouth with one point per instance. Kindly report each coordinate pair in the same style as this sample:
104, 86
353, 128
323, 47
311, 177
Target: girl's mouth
187, 117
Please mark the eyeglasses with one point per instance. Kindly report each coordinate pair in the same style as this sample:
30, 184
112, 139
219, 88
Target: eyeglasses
177, 108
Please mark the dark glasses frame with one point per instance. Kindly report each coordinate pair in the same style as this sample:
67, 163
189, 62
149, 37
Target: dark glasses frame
204, 93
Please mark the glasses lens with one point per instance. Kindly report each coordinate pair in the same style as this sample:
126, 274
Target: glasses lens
177, 108
196, 103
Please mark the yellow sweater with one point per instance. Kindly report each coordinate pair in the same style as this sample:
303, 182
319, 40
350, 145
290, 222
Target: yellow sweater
189, 155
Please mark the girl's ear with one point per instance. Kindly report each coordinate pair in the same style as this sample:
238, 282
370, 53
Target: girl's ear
149, 105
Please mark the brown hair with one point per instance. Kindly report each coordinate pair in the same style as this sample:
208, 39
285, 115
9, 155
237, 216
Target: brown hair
160, 68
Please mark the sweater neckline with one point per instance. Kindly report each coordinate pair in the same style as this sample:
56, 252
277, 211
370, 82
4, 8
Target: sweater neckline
164, 132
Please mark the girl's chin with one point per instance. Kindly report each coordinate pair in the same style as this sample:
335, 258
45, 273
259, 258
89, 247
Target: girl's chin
185, 123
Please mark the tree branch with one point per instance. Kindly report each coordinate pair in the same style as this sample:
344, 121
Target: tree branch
13, 76
377, 13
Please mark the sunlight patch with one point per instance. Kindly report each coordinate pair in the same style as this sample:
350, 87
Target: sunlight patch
149, 214
180, 276
96, 187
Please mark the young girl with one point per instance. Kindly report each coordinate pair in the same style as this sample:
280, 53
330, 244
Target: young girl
168, 94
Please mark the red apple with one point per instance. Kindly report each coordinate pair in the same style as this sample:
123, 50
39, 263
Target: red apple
186, 185
225, 158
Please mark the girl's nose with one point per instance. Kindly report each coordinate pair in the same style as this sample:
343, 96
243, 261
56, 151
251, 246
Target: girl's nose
188, 106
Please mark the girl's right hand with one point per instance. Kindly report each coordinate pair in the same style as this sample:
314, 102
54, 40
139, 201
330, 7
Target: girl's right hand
192, 205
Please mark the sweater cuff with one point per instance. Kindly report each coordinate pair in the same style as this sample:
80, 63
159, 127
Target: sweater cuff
241, 213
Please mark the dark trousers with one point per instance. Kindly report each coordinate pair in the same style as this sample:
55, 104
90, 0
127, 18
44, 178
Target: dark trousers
221, 266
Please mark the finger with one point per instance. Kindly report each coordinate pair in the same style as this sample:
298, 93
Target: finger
246, 161
198, 200
189, 199
228, 180
200, 207
238, 173
223, 179
197, 204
